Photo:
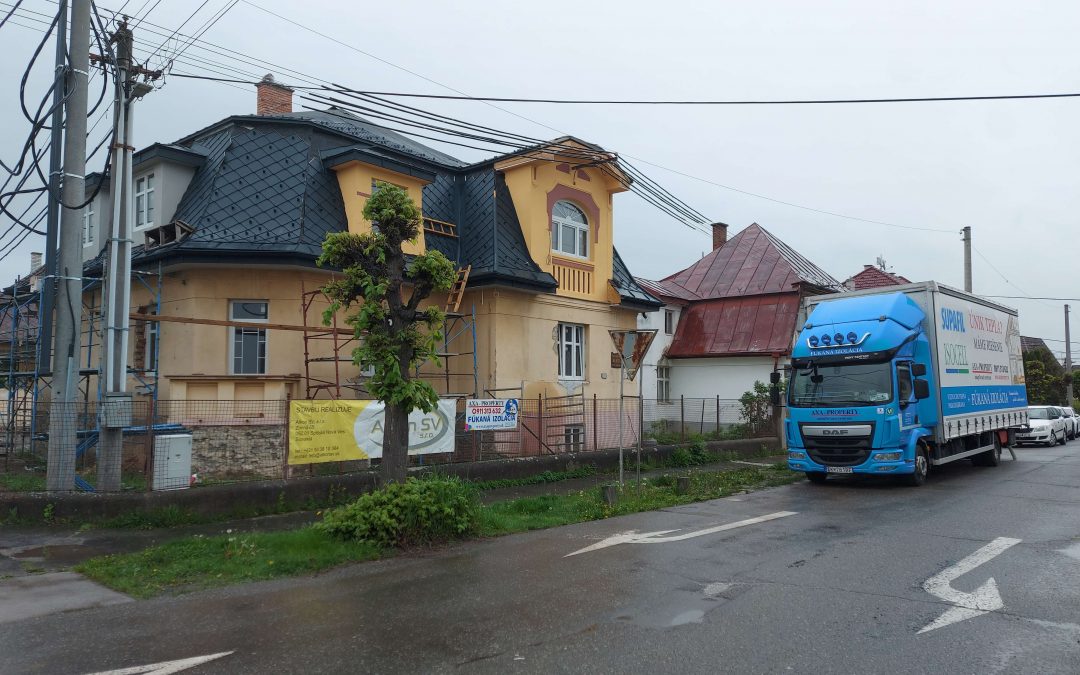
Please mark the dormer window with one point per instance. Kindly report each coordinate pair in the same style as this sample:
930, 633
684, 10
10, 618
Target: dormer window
569, 230
144, 201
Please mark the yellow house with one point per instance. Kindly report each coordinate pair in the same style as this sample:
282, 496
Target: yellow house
231, 219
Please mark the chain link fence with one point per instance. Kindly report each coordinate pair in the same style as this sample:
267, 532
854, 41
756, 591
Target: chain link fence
180, 444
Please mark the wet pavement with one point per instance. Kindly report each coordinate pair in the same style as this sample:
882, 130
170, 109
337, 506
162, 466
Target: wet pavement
803, 578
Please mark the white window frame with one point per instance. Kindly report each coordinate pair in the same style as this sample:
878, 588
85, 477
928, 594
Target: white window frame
260, 332
574, 438
663, 383
579, 229
572, 337
88, 224
669, 322
144, 201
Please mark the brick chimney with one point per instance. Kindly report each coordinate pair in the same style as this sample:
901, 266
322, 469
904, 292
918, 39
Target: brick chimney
719, 235
35, 261
274, 98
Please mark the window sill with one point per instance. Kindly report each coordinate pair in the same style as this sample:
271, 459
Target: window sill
577, 263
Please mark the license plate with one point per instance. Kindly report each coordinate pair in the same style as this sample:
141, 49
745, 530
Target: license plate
838, 469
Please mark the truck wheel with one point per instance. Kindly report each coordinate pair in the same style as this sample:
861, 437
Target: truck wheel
922, 466
990, 457
817, 477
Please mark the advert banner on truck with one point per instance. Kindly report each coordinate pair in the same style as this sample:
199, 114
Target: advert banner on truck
982, 367
342, 431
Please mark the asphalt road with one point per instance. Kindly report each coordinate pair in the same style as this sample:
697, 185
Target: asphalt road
837, 587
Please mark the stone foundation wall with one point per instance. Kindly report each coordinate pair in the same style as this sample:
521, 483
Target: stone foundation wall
237, 451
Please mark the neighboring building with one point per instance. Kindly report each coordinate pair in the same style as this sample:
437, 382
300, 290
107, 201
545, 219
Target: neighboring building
873, 276
229, 221
1028, 344
736, 310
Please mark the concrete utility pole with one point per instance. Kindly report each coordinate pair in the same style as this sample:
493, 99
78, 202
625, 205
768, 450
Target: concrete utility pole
52, 222
116, 405
967, 258
60, 473
1068, 361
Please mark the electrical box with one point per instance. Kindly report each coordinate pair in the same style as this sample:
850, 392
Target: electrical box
115, 411
172, 462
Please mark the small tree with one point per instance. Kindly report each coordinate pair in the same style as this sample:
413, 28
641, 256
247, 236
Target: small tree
1044, 376
395, 336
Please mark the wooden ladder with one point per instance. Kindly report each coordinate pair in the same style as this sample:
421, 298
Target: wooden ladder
457, 290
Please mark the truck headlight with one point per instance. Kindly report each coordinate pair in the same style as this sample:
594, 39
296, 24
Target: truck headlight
796, 455
887, 456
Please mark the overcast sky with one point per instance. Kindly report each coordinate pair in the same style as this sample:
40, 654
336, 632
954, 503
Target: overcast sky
1010, 169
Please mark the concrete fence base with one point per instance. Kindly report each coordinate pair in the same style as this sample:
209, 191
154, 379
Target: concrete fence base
261, 497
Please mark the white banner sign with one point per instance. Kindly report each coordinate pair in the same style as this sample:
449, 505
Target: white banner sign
489, 414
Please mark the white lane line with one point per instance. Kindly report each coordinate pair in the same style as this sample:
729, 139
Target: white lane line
165, 667
739, 461
985, 598
635, 537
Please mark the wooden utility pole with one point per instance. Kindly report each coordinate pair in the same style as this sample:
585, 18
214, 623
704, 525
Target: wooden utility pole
1068, 361
967, 258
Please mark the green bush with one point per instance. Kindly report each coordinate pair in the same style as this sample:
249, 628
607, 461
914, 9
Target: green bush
419, 511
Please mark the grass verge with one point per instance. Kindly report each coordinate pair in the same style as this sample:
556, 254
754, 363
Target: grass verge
199, 562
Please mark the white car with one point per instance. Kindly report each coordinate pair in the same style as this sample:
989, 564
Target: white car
1046, 424
1072, 422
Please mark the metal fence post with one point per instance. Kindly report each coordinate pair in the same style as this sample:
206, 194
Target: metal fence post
595, 425
285, 453
716, 429
540, 424
682, 417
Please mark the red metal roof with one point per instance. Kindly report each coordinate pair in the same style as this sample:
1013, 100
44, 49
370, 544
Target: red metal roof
666, 290
758, 324
753, 262
874, 277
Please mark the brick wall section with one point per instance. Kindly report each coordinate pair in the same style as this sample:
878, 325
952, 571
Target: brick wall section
273, 98
719, 235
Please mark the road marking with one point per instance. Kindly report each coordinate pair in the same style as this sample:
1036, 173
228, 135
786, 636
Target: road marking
739, 461
165, 667
635, 537
985, 598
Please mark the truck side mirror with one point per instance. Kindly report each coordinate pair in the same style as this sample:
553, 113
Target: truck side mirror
774, 395
922, 389
774, 377
918, 369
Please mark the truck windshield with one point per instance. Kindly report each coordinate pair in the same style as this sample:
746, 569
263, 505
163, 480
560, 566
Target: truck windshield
823, 386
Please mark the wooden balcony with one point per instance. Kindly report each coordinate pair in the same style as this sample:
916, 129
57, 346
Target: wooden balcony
575, 278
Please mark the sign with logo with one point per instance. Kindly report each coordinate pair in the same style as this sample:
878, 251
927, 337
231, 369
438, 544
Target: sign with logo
342, 431
490, 414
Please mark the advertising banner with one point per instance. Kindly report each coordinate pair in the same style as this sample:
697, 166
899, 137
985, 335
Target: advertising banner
490, 414
341, 431
981, 368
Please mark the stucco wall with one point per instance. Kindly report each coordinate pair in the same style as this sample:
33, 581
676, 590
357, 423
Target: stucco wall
728, 378
354, 180
658, 347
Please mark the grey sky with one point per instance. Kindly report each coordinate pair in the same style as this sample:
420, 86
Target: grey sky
1009, 169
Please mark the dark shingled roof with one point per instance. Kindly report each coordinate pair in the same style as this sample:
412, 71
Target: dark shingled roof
264, 192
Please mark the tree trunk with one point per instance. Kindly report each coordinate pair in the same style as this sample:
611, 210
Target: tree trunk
395, 454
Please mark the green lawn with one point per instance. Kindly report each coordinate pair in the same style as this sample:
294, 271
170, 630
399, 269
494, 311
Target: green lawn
202, 562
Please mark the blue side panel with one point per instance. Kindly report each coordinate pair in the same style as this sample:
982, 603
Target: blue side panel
988, 398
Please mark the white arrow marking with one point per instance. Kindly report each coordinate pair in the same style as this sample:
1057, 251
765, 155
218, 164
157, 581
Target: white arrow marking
968, 605
635, 537
165, 667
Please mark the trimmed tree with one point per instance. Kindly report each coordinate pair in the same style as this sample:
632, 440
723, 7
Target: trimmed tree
396, 337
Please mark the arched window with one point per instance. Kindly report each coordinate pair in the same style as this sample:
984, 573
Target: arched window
569, 230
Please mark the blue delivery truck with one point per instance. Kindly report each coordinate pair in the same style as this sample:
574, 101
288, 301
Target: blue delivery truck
896, 380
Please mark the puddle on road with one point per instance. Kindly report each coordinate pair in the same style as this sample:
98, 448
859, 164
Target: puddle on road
680, 606
1072, 551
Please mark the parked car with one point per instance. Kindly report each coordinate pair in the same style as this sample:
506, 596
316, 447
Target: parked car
1046, 424
1072, 422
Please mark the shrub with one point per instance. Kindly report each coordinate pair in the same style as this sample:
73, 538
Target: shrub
419, 511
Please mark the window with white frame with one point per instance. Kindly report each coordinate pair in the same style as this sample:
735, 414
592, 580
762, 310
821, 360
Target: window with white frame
663, 384
669, 321
144, 201
569, 230
248, 345
571, 351
574, 437
88, 224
